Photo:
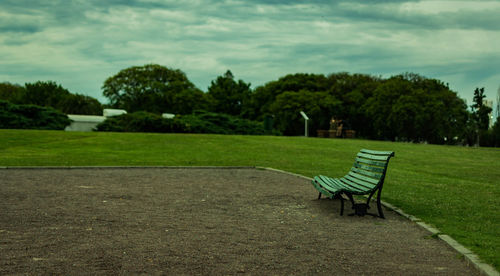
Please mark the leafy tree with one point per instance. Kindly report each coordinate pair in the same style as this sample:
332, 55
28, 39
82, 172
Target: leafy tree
187, 101
265, 96
46, 93
413, 108
340, 84
480, 117
319, 106
406, 107
353, 90
480, 112
51, 94
495, 131
80, 104
349, 91
11, 92
229, 96
451, 112
379, 107
444, 114
407, 116
153, 88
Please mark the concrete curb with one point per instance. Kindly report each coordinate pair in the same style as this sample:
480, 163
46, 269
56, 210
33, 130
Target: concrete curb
123, 167
285, 172
469, 256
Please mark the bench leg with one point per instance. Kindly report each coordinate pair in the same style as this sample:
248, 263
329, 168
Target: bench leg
361, 209
379, 206
358, 208
319, 197
341, 205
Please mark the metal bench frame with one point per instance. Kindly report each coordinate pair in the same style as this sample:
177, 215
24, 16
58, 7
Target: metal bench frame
366, 177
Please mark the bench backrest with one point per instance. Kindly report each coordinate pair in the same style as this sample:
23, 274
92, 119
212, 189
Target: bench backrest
368, 171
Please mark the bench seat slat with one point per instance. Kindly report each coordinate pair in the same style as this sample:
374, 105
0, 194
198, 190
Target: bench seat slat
347, 186
348, 183
328, 183
354, 186
335, 185
359, 184
363, 178
374, 157
369, 168
373, 175
334, 182
371, 162
376, 152
322, 190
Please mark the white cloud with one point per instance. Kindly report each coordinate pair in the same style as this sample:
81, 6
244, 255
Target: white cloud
185, 17
438, 7
259, 42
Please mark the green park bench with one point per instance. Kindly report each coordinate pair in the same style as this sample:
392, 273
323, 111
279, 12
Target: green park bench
365, 178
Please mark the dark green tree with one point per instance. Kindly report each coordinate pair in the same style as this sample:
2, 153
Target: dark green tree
450, 114
353, 90
45, 93
265, 96
229, 96
444, 115
379, 107
11, 92
153, 88
495, 132
80, 104
319, 106
340, 84
480, 112
480, 117
413, 108
51, 94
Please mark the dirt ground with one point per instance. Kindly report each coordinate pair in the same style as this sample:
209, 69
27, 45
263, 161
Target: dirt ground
180, 221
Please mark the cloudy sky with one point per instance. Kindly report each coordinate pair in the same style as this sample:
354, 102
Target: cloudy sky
80, 43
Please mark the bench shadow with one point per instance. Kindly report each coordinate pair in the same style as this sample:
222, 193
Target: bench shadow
327, 206
331, 207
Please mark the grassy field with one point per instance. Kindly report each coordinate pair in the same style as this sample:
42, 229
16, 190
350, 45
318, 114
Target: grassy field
456, 189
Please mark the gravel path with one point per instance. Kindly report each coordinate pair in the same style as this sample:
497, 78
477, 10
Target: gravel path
199, 221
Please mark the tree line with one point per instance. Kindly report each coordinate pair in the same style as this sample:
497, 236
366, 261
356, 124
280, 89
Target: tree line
50, 94
405, 107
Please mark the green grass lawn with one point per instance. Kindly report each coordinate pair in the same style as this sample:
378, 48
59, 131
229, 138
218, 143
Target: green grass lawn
456, 189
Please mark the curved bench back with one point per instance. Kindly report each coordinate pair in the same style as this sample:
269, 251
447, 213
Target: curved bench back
368, 171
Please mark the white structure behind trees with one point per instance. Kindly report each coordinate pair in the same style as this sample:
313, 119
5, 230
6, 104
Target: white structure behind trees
89, 122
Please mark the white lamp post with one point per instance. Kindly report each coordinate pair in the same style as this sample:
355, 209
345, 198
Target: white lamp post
305, 120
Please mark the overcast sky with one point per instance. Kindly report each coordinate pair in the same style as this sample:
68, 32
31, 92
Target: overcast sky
80, 43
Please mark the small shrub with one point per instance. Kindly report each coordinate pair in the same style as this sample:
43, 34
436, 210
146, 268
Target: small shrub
199, 122
208, 122
136, 122
14, 116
